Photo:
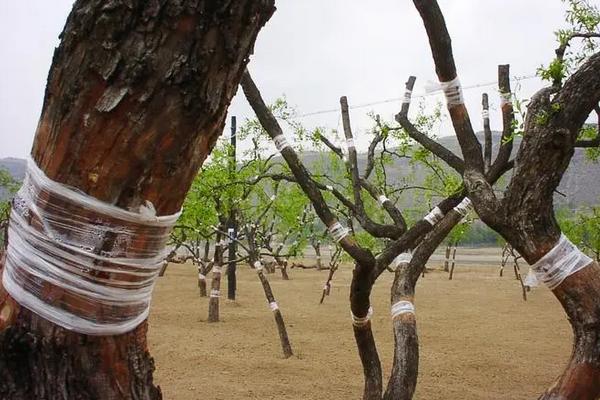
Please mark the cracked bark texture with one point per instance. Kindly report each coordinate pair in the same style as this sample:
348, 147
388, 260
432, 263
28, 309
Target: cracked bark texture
136, 97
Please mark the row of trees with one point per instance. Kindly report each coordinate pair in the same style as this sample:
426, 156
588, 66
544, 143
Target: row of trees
136, 98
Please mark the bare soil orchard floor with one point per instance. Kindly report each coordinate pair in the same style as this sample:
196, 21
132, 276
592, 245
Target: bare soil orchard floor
478, 338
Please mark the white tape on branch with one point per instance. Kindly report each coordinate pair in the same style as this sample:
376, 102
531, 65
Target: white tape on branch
382, 199
464, 207
559, 263
407, 96
434, 216
485, 114
452, 90
338, 232
258, 265
505, 98
402, 307
280, 142
358, 321
81, 263
216, 270
215, 293
201, 276
402, 258
273, 306
350, 143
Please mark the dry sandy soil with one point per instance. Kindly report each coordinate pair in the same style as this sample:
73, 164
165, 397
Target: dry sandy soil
478, 338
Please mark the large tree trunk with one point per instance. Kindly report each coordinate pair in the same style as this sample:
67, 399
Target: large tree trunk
136, 97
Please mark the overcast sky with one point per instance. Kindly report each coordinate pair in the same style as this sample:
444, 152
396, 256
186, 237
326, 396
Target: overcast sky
313, 51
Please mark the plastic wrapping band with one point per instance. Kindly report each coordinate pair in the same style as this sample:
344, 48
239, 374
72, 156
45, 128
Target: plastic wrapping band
402, 307
201, 276
329, 187
350, 143
325, 287
464, 206
338, 232
434, 216
452, 90
216, 270
81, 263
382, 199
358, 321
402, 258
273, 306
559, 263
407, 97
215, 293
531, 279
505, 98
485, 114
258, 265
280, 142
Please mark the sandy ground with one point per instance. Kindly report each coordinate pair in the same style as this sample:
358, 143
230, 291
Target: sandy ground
478, 338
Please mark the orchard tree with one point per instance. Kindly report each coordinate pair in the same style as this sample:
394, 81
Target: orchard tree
137, 95
524, 214
388, 243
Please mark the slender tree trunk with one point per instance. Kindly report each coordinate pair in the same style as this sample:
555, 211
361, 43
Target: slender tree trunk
286, 347
283, 267
446, 261
317, 248
360, 291
327, 286
201, 282
215, 283
405, 369
453, 263
136, 98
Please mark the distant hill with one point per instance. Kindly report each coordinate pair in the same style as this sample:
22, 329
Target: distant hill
579, 184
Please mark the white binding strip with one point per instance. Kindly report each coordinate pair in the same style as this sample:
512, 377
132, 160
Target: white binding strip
485, 114
464, 206
407, 96
258, 265
280, 142
505, 98
559, 263
338, 232
350, 143
201, 276
90, 253
434, 216
215, 293
402, 258
358, 321
402, 307
382, 199
452, 90
273, 306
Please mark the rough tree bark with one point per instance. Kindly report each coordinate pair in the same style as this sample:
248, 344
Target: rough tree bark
136, 97
524, 216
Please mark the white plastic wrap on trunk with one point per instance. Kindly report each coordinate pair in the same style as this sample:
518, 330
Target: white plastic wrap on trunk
338, 231
81, 263
559, 263
434, 216
452, 90
464, 207
280, 142
358, 321
402, 307
402, 258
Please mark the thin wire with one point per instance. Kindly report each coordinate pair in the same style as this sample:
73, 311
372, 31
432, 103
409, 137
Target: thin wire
396, 99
